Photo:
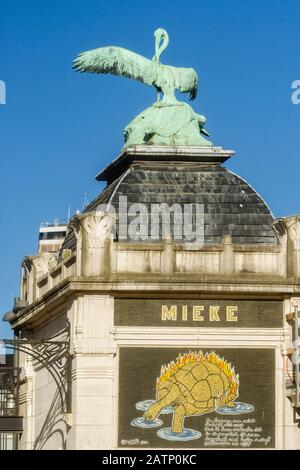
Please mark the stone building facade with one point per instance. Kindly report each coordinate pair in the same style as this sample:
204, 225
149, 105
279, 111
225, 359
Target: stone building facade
104, 313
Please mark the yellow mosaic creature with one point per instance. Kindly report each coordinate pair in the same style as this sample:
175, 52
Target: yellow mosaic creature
194, 384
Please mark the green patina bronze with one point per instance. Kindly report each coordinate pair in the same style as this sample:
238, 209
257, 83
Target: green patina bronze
167, 121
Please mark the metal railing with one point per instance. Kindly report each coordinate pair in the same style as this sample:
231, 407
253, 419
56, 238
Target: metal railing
8, 441
296, 364
9, 391
9, 404
293, 354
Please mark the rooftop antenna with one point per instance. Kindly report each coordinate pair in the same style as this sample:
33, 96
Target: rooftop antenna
85, 201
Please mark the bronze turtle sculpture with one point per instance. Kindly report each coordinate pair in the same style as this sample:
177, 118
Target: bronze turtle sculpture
194, 384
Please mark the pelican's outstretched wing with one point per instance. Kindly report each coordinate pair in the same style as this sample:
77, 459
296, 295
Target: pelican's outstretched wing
117, 61
186, 81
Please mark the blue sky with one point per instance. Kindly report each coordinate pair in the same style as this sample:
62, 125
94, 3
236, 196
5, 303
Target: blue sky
59, 128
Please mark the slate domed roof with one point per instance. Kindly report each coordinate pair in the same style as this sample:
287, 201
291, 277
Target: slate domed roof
231, 205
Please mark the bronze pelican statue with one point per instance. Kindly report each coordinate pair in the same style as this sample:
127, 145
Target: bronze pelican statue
125, 63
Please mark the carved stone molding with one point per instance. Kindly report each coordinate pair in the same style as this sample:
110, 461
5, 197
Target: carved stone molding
91, 348
40, 264
78, 374
27, 263
25, 397
93, 231
95, 225
289, 225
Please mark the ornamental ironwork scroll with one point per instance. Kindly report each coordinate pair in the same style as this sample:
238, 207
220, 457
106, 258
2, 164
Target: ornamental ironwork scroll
52, 354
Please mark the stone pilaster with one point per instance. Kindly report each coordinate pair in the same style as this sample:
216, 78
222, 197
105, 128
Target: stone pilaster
93, 374
93, 231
